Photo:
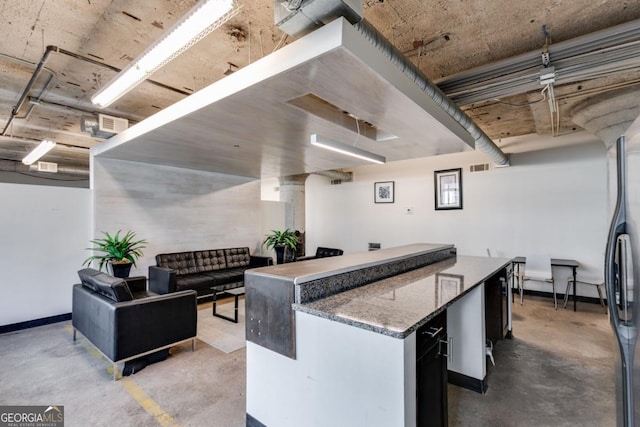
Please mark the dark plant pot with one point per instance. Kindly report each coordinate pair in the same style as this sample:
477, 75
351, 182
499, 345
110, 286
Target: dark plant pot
279, 254
121, 269
284, 254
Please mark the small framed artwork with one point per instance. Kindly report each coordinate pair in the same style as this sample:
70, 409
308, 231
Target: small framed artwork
383, 192
448, 189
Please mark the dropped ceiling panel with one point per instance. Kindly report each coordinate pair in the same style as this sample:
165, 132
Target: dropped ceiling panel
252, 123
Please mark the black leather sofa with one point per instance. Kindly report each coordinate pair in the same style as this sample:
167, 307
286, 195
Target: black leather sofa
124, 321
202, 270
322, 252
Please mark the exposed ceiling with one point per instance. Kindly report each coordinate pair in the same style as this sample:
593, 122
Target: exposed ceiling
443, 38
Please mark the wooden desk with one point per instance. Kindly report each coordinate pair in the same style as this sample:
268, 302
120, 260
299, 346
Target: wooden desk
555, 262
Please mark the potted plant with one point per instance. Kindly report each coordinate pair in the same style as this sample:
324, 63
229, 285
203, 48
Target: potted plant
118, 252
280, 241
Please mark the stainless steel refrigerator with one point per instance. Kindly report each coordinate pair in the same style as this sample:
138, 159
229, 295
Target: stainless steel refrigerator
622, 273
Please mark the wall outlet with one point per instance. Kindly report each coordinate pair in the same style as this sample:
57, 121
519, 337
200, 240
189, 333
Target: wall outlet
408, 211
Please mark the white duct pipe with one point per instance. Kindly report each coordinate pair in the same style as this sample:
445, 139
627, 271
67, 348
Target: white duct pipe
483, 142
68, 170
315, 15
336, 175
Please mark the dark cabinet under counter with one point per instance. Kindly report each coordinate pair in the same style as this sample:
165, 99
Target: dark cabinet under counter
431, 373
497, 305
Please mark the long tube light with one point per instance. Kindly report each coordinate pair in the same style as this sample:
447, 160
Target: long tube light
202, 19
330, 144
43, 148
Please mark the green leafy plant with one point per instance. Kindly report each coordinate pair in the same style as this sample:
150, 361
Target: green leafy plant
116, 249
281, 238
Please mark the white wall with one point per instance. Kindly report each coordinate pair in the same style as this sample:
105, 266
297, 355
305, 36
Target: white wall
551, 201
175, 209
43, 232
270, 189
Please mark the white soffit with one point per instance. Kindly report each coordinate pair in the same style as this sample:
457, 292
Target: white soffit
245, 125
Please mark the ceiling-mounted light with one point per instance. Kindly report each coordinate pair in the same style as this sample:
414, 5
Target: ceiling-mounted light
203, 18
43, 148
349, 150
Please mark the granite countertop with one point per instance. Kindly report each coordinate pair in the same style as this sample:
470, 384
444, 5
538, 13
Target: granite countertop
305, 271
398, 305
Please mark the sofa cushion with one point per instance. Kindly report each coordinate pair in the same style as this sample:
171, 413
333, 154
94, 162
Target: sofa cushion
182, 262
194, 281
211, 260
143, 294
114, 288
237, 257
230, 275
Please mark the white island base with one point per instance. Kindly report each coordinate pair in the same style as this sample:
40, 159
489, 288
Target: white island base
356, 351
342, 376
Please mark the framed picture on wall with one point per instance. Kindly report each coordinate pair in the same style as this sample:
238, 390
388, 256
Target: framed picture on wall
448, 189
383, 192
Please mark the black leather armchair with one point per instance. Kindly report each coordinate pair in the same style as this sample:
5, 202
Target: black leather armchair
124, 321
322, 252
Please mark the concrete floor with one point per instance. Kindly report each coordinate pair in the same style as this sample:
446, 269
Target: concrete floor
557, 371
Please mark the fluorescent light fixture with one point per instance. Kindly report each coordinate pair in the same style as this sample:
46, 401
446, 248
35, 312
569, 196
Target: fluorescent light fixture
349, 150
203, 18
42, 149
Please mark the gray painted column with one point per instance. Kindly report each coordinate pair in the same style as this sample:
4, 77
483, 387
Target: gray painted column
292, 192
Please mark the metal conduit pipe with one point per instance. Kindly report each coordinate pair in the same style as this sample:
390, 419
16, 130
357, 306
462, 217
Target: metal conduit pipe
117, 70
35, 101
590, 56
483, 142
40, 67
34, 77
42, 91
52, 75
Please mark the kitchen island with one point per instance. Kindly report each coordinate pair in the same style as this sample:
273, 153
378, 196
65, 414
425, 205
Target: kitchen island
355, 361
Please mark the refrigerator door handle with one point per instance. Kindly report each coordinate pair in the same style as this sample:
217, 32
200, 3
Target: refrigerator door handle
622, 278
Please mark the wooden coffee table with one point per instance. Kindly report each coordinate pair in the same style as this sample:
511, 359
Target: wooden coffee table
235, 292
